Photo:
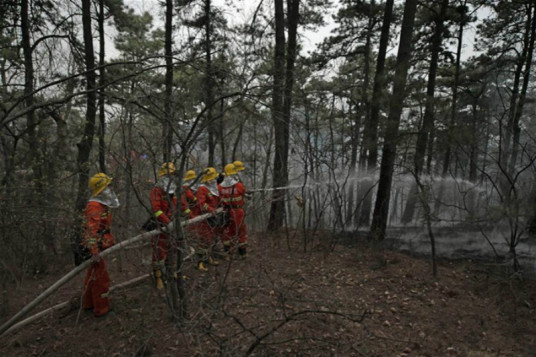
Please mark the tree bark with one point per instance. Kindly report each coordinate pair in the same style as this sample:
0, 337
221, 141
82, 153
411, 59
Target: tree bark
516, 130
428, 120
281, 125
29, 86
363, 188
102, 81
209, 84
453, 108
381, 208
168, 108
369, 151
86, 143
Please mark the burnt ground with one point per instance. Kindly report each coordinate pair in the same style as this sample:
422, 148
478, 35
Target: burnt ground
352, 300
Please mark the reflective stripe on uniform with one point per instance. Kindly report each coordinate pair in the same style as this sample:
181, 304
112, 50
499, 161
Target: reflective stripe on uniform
158, 213
232, 199
105, 295
91, 241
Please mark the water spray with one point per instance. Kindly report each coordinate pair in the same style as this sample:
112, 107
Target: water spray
278, 188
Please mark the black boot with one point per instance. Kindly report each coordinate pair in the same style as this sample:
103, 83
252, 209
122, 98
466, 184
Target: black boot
242, 252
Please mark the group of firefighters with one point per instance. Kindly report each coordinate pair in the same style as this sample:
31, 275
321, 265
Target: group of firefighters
215, 190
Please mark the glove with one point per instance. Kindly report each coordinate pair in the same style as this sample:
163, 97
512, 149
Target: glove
168, 228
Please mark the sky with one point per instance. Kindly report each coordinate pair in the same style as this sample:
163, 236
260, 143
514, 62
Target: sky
309, 38
247, 8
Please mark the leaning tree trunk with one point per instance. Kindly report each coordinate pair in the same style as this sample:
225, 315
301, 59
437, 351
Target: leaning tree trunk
381, 208
75, 271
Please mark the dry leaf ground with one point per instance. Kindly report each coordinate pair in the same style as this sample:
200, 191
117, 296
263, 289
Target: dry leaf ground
352, 300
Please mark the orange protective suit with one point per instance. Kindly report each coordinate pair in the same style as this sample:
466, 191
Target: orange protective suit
163, 206
97, 237
189, 208
232, 199
207, 202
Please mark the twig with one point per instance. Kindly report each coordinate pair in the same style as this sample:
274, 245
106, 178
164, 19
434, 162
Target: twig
292, 317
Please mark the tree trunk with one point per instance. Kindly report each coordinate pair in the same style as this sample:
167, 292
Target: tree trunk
221, 131
363, 190
428, 121
281, 125
453, 108
350, 213
168, 109
381, 208
29, 89
209, 84
531, 24
369, 151
86, 143
102, 81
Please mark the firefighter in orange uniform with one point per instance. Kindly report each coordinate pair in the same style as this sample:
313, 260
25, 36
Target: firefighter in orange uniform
163, 203
207, 201
189, 207
232, 193
96, 238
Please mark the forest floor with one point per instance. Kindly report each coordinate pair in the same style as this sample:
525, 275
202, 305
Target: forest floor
342, 297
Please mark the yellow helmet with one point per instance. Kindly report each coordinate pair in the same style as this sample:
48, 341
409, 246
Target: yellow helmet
209, 174
239, 165
167, 168
190, 175
98, 182
230, 169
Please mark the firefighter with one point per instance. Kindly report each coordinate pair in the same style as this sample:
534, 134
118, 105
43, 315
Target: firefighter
189, 207
207, 201
96, 238
232, 193
163, 204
